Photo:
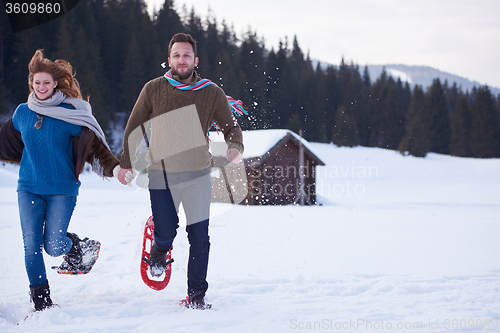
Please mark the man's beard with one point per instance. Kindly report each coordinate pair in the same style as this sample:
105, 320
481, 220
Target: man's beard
184, 76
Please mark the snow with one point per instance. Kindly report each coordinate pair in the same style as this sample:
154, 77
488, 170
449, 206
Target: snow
399, 74
398, 242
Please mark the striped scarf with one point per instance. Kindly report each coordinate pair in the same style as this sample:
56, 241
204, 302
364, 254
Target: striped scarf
236, 106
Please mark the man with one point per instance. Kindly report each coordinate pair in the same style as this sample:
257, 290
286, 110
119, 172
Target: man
180, 108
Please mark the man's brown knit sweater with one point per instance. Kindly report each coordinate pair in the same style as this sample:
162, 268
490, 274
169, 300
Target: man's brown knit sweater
179, 122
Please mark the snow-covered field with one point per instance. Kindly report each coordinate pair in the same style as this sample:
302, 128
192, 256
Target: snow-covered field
398, 244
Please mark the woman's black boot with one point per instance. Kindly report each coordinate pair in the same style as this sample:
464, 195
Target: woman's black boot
40, 296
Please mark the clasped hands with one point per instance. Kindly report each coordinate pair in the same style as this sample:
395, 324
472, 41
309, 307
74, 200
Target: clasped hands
124, 176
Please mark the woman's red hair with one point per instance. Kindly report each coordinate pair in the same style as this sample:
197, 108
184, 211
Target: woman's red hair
60, 70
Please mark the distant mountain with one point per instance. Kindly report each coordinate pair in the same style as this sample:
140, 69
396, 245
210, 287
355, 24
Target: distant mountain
423, 75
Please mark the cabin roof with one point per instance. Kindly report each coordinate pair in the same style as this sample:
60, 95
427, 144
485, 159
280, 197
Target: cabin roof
259, 142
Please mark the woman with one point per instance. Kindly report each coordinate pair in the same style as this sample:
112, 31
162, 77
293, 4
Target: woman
51, 137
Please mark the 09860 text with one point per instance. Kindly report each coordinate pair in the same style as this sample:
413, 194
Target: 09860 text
32, 8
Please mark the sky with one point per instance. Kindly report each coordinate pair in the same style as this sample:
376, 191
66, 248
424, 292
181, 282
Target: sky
461, 37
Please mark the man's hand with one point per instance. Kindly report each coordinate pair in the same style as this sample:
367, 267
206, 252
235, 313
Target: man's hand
124, 176
233, 155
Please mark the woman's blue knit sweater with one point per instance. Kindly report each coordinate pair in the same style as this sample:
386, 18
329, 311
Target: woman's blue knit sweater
47, 163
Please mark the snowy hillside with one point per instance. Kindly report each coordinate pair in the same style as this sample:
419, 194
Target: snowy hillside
424, 76
398, 244
421, 75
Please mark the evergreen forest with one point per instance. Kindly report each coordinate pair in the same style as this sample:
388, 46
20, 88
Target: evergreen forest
115, 47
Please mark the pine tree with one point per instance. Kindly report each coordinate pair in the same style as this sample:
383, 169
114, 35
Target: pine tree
137, 48
295, 61
498, 105
89, 72
272, 90
7, 55
133, 78
307, 96
345, 132
366, 80
439, 130
294, 123
375, 106
387, 121
404, 95
3, 94
364, 115
225, 63
318, 111
146, 37
167, 24
284, 110
485, 133
343, 79
416, 139
452, 94
392, 116
252, 80
461, 128
27, 42
332, 99
350, 111
194, 27
110, 18
65, 48
212, 47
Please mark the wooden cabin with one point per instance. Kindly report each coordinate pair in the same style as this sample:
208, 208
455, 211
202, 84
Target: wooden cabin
279, 168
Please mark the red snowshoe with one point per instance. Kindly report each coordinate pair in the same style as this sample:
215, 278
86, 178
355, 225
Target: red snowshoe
153, 282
